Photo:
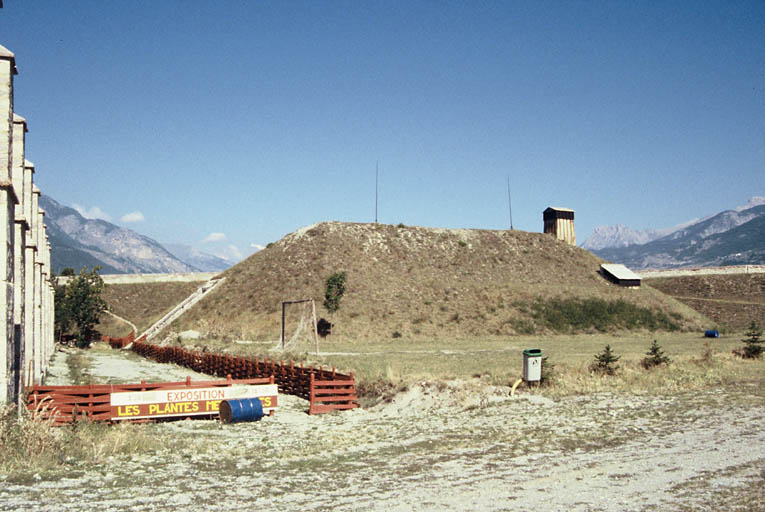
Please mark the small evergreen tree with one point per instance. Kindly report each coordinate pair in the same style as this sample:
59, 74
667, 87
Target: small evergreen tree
655, 357
335, 288
605, 362
753, 344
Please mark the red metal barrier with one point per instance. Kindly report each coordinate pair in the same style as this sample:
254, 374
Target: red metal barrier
332, 395
64, 404
119, 342
326, 390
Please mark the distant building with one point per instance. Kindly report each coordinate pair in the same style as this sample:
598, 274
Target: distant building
559, 222
619, 274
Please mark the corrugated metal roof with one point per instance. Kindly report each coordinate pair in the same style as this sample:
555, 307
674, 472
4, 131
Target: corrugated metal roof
619, 271
5, 52
559, 209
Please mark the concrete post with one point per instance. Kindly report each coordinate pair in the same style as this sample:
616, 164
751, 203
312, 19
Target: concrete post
44, 303
37, 334
50, 341
30, 250
7, 204
20, 227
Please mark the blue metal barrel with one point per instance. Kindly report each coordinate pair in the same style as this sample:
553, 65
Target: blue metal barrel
242, 409
712, 334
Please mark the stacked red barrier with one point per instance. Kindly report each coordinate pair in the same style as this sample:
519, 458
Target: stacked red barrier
119, 342
326, 390
64, 404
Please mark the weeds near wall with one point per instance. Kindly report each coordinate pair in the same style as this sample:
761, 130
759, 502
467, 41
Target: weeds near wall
24, 442
31, 445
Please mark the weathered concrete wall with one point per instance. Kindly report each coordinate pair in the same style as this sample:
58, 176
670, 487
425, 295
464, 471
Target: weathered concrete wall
188, 277
37, 334
7, 205
26, 296
20, 231
678, 272
30, 254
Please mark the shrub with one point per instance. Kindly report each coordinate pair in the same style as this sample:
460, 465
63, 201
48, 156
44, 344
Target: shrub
655, 357
547, 376
605, 362
753, 344
335, 288
582, 314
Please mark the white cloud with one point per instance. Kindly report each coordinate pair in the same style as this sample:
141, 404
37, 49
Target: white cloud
214, 237
230, 253
133, 217
235, 252
93, 212
257, 247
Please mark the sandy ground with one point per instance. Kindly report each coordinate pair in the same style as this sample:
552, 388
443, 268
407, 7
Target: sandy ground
466, 446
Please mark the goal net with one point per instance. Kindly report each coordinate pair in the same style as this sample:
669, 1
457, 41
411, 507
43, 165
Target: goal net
298, 326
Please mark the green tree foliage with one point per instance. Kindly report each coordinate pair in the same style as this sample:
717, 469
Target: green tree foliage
605, 362
335, 288
753, 342
79, 306
655, 357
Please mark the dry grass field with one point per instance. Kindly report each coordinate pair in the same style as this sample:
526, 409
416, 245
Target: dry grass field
731, 301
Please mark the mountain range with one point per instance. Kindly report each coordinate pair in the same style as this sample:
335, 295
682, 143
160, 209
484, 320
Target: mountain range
731, 237
77, 241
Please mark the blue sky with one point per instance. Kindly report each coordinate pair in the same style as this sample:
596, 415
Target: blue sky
226, 125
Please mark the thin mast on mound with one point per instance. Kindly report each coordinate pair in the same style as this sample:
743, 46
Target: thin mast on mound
509, 203
377, 184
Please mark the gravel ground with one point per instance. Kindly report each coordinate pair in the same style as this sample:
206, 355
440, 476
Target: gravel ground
463, 446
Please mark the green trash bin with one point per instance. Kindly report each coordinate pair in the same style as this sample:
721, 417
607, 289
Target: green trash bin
532, 365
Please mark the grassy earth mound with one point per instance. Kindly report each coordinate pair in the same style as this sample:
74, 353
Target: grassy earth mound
424, 283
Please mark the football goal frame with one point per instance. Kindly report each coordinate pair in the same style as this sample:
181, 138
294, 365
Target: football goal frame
286, 303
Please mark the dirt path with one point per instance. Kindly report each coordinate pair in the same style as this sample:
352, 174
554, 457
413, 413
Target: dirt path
722, 301
467, 447
124, 320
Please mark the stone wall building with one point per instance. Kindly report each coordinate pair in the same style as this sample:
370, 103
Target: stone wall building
26, 294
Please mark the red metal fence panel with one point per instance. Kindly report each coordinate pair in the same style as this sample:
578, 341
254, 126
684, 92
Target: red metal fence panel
326, 390
64, 404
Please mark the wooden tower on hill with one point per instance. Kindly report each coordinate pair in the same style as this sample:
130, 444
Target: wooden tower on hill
559, 222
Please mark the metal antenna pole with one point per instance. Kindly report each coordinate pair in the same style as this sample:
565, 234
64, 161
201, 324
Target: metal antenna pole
377, 183
509, 203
